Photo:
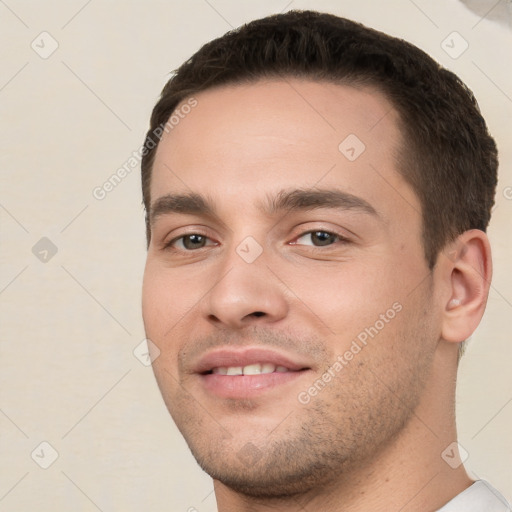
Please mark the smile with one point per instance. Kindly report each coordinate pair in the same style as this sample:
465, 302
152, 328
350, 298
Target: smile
250, 369
248, 372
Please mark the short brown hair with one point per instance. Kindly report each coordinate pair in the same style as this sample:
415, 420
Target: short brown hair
450, 160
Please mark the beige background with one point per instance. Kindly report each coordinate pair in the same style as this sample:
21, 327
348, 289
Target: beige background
70, 324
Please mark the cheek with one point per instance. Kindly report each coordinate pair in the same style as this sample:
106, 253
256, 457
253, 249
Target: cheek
151, 300
169, 302
159, 317
158, 307
162, 289
348, 296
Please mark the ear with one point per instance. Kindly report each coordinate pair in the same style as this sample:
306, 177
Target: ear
467, 271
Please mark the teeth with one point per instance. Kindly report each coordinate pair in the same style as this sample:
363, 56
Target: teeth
268, 368
250, 369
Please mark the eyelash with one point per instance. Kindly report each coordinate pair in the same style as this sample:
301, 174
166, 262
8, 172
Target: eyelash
339, 239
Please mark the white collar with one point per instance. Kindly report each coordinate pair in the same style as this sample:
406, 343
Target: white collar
479, 497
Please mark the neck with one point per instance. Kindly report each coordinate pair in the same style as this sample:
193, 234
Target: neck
409, 474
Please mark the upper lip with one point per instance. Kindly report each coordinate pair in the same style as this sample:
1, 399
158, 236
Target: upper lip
244, 356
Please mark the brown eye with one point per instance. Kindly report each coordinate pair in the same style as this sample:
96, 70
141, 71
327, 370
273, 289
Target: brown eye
193, 241
319, 238
188, 242
323, 237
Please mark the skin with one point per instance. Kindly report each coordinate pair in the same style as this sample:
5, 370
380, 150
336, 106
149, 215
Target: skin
372, 438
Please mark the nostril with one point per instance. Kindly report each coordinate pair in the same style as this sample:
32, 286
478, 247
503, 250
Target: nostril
258, 313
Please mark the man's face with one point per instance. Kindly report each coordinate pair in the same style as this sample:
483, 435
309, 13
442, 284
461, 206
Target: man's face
309, 255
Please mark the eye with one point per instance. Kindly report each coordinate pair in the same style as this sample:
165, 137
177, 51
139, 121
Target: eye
320, 238
189, 242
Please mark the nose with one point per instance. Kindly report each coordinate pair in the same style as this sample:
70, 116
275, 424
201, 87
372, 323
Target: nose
245, 294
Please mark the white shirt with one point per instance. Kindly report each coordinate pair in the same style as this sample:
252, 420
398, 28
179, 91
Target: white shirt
479, 497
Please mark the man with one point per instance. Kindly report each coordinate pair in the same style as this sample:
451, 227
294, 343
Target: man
317, 195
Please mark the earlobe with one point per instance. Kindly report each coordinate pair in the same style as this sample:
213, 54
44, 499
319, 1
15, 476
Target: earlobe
468, 271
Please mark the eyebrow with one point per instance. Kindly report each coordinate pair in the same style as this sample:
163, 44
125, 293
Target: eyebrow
289, 200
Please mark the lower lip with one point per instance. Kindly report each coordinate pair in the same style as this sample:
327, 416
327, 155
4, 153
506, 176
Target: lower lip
247, 386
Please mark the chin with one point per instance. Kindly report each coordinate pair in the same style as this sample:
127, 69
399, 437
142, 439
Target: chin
277, 470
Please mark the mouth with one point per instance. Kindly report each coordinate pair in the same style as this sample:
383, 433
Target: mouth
248, 372
250, 369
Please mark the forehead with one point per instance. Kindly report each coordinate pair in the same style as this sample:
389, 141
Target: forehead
243, 141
